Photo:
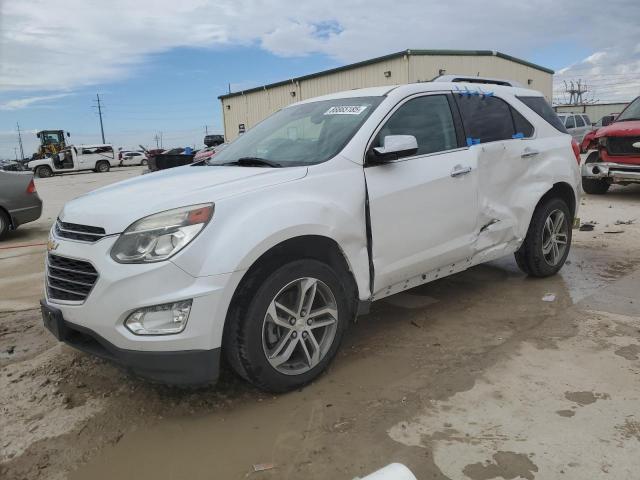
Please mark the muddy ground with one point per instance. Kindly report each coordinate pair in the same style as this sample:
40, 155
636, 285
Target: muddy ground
470, 377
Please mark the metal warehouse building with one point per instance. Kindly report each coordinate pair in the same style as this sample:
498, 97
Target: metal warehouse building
242, 110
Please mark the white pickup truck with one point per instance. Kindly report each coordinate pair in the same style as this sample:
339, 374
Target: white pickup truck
265, 252
74, 158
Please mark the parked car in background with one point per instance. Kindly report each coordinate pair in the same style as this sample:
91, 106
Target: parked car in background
578, 125
134, 158
267, 251
74, 158
19, 200
12, 166
587, 141
213, 140
617, 156
208, 152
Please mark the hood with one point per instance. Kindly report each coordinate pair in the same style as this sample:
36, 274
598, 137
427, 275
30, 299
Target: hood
620, 129
117, 206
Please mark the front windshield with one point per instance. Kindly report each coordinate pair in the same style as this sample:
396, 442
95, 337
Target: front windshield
302, 134
632, 112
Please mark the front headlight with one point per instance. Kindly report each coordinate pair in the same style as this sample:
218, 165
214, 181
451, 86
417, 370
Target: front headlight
162, 235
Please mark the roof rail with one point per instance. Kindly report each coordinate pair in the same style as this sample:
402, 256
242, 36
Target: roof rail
470, 79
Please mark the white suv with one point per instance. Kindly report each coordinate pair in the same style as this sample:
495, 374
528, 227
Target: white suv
267, 252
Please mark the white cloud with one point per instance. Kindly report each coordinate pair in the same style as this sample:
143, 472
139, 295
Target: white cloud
19, 103
63, 44
610, 75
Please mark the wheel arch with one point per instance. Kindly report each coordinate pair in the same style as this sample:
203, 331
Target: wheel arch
317, 247
564, 191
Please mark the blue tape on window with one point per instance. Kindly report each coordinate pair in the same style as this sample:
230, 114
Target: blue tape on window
472, 141
518, 135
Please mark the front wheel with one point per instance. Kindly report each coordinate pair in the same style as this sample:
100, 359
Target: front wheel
291, 328
44, 171
4, 223
144, 162
102, 167
548, 239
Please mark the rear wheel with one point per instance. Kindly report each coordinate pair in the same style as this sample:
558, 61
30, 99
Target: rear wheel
285, 331
548, 239
4, 223
594, 186
102, 167
44, 171
144, 162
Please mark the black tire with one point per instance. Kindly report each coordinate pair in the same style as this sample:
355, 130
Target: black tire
43, 171
530, 257
102, 166
144, 162
591, 186
5, 223
243, 335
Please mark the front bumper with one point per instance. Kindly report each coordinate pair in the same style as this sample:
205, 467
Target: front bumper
96, 324
616, 172
186, 367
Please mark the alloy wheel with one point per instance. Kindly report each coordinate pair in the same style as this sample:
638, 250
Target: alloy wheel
554, 237
299, 326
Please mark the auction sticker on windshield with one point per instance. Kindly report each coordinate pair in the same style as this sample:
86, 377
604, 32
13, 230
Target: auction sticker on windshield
346, 110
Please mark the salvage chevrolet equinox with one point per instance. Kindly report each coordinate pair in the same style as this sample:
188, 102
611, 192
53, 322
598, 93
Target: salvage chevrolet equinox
264, 253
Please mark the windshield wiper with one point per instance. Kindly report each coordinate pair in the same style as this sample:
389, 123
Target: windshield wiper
254, 161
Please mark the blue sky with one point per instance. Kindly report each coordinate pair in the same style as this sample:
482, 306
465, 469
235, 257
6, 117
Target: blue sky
160, 65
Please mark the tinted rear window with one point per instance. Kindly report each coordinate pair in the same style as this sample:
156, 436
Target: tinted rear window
485, 119
542, 108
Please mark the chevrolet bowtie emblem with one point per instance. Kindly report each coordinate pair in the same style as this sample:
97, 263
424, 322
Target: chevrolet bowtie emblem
52, 245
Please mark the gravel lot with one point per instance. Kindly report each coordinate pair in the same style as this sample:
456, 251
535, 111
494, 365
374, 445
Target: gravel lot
470, 377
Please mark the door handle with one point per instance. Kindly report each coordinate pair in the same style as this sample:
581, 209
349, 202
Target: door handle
459, 170
528, 153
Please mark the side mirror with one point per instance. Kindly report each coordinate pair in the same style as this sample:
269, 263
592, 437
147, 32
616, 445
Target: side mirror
394, 147
607, 120
68, 135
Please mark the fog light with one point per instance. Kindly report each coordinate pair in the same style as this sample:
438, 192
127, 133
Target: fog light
166, 319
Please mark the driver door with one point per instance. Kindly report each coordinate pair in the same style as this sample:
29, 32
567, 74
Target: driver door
423, 208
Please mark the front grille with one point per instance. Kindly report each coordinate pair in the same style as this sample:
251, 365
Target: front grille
622, 146
69, 279
74, 231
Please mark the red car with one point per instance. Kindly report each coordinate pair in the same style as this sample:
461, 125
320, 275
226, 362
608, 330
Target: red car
617, 158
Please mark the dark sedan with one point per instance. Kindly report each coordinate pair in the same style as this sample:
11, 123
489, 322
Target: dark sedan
19, 201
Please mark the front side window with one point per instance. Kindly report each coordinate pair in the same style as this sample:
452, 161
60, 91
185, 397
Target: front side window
303, 134
570, 122
485, 118
427, 118
579, 121
586, 119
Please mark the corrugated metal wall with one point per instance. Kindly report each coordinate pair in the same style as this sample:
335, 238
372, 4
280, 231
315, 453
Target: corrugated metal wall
248, 109
595, 111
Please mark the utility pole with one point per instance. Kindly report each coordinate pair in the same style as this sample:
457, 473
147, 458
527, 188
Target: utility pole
100, 115
206, 130
15, 150
161, 140
157, 139
20, 142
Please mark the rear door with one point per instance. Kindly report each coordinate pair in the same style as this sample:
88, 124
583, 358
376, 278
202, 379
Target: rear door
501, 137
423, 207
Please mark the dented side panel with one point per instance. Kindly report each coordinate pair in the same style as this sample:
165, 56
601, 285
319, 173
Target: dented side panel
513, 175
